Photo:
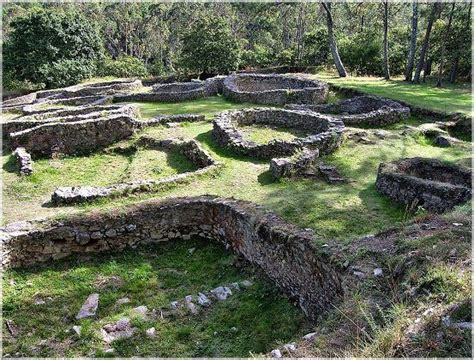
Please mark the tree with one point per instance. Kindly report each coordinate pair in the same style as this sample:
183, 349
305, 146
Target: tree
424, 48
210, 48
443, 48
412, 51
51, 47
332, 40
386, 68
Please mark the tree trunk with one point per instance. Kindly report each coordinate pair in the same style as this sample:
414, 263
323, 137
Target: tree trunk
443, 48
332, 41
424, 48
299, 33
386, 67
454, 70
411, 54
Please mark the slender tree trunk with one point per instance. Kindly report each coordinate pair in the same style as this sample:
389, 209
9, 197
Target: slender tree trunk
332, 41
299, 33
454, 70
386, 66
424, 48
412, 52
443, 48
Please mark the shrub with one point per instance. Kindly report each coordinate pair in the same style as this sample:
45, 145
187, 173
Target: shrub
124, 66
47, 40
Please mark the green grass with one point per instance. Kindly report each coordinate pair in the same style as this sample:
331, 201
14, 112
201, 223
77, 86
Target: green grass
208, 107
343, 212
450, 98
152, 276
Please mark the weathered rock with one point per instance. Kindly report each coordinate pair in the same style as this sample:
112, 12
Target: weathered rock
331, 174
119, 330
89, 308
276, 353
23, 159
274, 89
444, 141
203, 300
122, 301
296, 165
140, 311
378, 272
310, 336
151, 332
429, 183
221, 292
77, 330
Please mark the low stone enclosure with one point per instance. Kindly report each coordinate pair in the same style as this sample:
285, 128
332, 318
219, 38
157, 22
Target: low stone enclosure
362, 110
177, 91
274, 89
429, 183
325, 132
190, 149
282, 251
73, 95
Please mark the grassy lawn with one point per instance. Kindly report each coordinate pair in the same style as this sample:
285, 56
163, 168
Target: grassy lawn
263, 134
152, 276
343, 212
449, 98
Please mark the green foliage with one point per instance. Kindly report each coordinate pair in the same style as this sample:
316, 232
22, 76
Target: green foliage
51, 47
124, 66
209, 47
316, 47
362, 53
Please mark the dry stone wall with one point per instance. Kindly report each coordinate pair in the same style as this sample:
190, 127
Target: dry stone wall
282, 251
325, 132
295, 165
429, 183
190, 149
362, 110
23, 159
274, 89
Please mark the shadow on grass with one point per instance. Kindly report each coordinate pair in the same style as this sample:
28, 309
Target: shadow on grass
10, 166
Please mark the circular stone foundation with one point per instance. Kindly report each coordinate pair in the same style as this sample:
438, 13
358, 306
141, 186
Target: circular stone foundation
429, 183
362, 110
325, 132
274, 89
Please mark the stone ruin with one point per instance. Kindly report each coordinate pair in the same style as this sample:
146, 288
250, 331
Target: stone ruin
190, 149
283, 252
81, 94
274, 89
177, 91
325, 133
429, 183
297, 165
362, 110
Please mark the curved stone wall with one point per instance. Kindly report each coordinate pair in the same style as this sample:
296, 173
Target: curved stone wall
325, 132
76, 137
429, 183
190, 149
362, 110
177, 91
274, 89
282, 251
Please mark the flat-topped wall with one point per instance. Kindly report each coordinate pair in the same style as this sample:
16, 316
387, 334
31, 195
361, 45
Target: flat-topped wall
282, 251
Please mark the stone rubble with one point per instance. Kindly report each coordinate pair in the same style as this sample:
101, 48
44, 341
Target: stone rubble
89, 307
119, 330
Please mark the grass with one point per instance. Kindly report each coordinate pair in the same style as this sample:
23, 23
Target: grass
343, 212
208, 107
450, 98
152, 276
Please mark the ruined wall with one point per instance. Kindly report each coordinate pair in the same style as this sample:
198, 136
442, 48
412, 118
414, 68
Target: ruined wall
362, 110
429, 183
274, 89
74, 137
282, 251
325, 133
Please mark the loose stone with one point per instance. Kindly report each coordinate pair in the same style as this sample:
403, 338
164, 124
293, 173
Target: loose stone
89, 308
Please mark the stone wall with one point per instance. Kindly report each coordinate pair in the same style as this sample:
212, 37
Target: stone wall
429, 183
23, 159
190, 149
362, 110
325, 133
65, 115
282, 251
274, 89
78, 137
295, 165
178, 118
177, 92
